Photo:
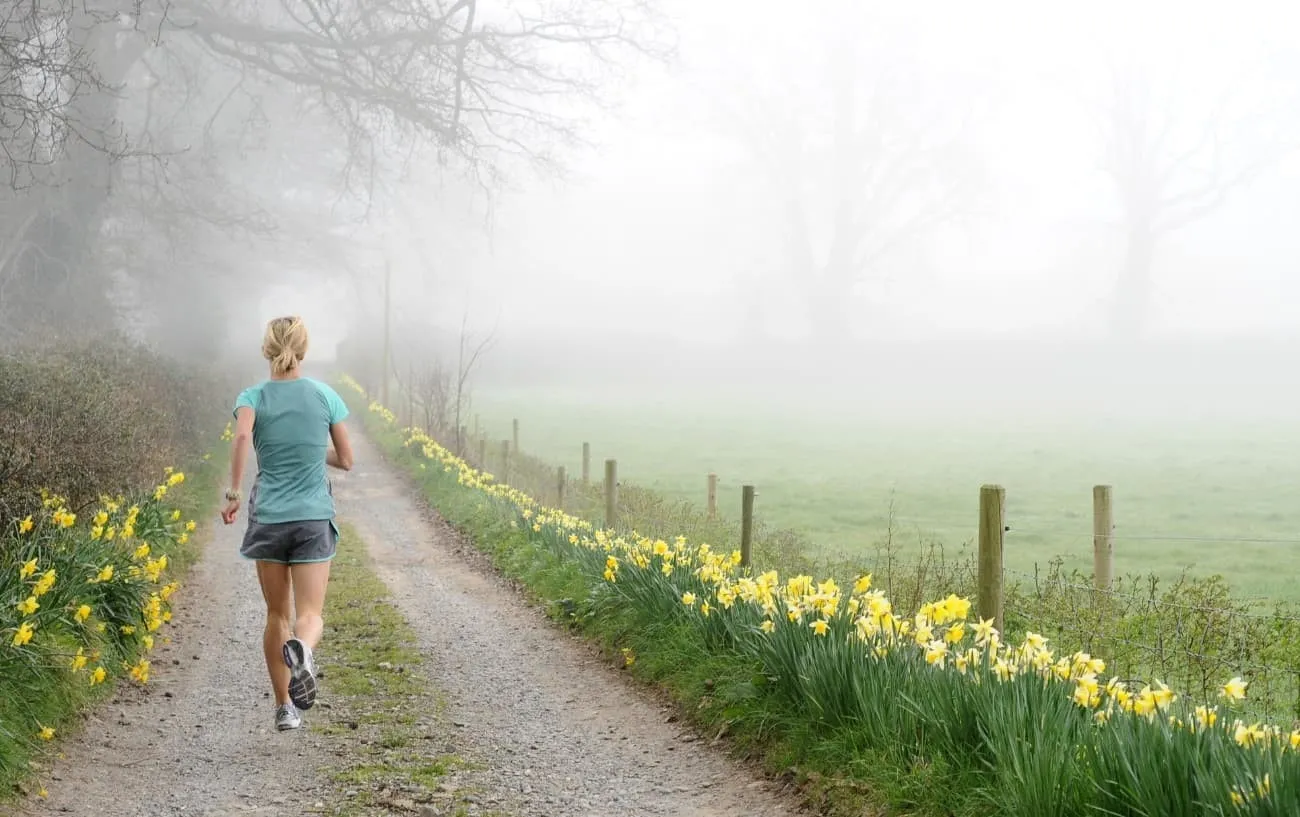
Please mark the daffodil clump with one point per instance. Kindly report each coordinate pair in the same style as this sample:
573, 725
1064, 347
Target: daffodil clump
84, 598
1045, 733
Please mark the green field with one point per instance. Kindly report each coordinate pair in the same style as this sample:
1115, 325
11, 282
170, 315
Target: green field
1185, 497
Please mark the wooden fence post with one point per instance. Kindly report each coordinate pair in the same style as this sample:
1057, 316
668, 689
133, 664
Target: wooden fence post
586, 463
746, 525
505, 461
992, 527
482, 453
611, 494
410, 395
561, 483
515, 425
1103, 537
713, 496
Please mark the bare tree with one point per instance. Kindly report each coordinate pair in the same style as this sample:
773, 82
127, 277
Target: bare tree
439, 392
491, 88
468, 353
45, 76
1171, 167
860, 165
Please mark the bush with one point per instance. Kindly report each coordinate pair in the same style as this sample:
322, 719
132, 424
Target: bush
87, 420
87, 546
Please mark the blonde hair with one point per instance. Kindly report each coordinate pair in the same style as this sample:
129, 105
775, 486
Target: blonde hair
285, 343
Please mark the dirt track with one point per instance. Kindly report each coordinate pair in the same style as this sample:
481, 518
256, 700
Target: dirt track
549, 730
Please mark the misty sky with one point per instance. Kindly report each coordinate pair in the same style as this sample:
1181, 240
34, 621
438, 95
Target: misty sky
662, 226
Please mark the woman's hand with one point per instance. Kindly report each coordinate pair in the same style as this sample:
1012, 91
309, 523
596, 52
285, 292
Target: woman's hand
231, 511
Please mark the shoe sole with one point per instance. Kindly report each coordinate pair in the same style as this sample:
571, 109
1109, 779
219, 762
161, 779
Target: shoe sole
302, 684
288, 727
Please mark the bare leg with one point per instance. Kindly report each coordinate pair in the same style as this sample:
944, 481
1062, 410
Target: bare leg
309, 582
274, 579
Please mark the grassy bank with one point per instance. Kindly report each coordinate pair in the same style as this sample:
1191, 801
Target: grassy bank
96, 526
381, 705
921, 710
84, 599
1189, 631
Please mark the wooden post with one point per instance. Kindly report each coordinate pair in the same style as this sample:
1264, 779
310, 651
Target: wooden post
505, 461
611, 494
462, 441
586, 463
713, 496
482, 453
561, 482
1103, 537
388, 319
410, 395
992, 526
515, 424
746, 525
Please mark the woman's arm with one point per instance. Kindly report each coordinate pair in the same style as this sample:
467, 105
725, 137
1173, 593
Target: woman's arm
238, 459
339, 454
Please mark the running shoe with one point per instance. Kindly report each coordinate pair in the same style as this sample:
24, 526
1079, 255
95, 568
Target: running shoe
302, 681
286, 718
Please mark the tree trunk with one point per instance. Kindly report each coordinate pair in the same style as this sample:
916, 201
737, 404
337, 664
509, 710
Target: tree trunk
830, 308
56, 285
1131, 307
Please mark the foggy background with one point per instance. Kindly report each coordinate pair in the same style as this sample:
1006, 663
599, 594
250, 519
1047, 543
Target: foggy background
946, 206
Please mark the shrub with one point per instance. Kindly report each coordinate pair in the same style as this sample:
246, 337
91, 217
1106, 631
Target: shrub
86, 420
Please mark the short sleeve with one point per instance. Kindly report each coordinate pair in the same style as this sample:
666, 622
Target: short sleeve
338, 410
247, 397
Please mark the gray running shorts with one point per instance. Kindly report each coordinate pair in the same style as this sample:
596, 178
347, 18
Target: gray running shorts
288, 543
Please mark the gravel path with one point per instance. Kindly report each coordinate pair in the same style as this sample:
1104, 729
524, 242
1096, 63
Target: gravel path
546, 726
200, 739
558, 731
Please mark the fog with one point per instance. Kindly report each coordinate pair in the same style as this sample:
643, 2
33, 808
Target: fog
1000, 206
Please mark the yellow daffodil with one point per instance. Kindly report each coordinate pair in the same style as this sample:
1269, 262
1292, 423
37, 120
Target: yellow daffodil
45, 583
1234, 690
24, 634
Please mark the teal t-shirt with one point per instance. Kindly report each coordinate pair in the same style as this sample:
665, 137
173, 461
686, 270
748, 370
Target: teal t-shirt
291, 422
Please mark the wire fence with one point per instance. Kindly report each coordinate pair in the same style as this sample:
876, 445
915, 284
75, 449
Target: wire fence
1188, 632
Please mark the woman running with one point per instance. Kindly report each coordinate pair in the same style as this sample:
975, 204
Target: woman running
292, 421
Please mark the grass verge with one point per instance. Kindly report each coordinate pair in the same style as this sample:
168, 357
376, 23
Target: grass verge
381, 704
926, 715
717, 691
70, 629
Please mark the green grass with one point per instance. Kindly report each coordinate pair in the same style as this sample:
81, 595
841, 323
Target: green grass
381, 707
862, 732
1192, 631
850, 481
713, 689
36, 686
